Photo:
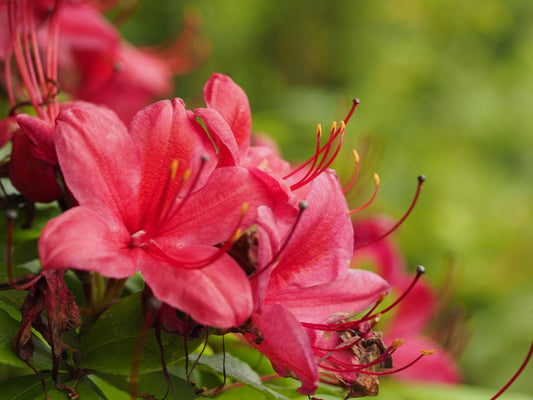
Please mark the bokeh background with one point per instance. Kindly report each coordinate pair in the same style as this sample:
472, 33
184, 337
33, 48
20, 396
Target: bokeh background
446, 89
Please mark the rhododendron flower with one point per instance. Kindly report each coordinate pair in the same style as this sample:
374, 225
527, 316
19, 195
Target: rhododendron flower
151, 201
311, 283
413, 314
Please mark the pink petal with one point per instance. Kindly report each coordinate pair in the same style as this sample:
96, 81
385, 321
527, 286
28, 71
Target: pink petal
164, 132
286, 344
346, 296
321, 246
82, 239
222, 94
100, 163
210, 215
228, 152
218, 295
41, 136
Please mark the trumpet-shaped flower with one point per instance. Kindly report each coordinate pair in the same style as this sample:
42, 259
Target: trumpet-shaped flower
151, 200
310, 284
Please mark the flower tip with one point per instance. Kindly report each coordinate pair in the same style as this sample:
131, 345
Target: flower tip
427, 352
420, 270
11, 214
356, 101
376, 179
421, 178
396, 343
355, 155
303, 205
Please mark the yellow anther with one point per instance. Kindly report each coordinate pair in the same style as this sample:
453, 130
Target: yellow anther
427, 352
343, 126
244, 208
376, 179
396, 343
333, 126
355, 155
319, 130
236, 235
174, 169
186, 175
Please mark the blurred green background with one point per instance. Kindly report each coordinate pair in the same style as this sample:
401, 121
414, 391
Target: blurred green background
446, 89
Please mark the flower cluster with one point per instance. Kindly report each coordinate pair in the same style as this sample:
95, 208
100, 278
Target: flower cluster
225, 233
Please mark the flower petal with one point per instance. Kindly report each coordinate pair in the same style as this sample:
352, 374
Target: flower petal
322, 244
100, 163
287, 345
225, 96
346, 296
165, 131
217, 295
210, 215
82, 239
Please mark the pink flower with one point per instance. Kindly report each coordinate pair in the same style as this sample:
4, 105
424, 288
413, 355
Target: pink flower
151, 201
310, 284
413, 314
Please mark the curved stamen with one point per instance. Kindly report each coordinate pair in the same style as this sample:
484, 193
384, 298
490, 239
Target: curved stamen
376, 184
516, 375
355, 155
423, 353
421, 180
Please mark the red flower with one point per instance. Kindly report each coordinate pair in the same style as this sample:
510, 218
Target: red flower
310, 284
150, 201
413, 314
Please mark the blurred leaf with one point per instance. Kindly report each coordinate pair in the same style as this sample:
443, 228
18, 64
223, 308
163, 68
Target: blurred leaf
26, 251
110, 343
237, 369
153, 383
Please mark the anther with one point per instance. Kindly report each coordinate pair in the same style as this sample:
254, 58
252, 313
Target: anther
376, 183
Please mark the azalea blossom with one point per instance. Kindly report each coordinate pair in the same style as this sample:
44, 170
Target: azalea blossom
311, 283
151, 200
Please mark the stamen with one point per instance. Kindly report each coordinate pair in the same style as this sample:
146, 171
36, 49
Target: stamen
376, 184
302, 206
356, 172
355, 103
516, 375
421, 180
423, 353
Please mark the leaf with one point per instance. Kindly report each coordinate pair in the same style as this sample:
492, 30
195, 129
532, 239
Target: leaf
8, 330
10, 302
153, 383
25, 252
110, 344
29, 387
237, 369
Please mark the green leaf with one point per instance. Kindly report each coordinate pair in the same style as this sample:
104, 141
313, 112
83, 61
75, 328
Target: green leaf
153, 383
10, 302
109, 346
29, 387
8, 330
237, 369
25, 252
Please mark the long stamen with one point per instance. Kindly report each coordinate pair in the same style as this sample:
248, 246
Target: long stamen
516, 375
376, 183
421, 180
356, 172
423, 353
